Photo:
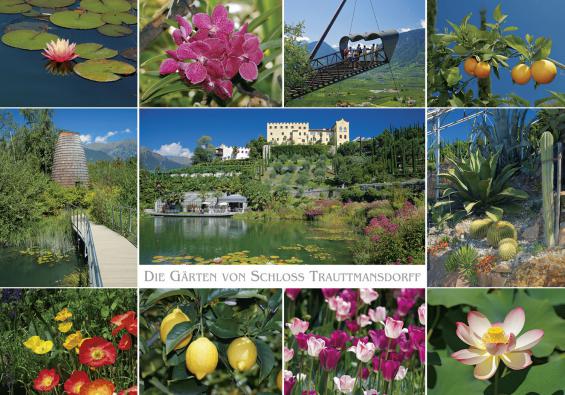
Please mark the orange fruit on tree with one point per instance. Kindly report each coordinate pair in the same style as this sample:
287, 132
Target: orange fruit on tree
544, 71
521, 74
482, 70
470, 65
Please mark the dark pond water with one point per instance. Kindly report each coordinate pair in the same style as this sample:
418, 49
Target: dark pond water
18, 270
199, 240
25, 82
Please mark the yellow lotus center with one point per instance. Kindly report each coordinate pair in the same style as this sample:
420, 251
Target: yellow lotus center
47, 381
97, 354
495, 335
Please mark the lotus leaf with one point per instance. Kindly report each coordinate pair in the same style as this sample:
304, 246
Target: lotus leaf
13, 6
114, 30
103, 70
28, 39
51, 3
77, 19
105, 6
119, 17
94, 51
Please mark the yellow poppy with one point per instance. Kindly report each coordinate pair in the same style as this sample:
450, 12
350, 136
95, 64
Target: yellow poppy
32, 342
44, 347
63, 315
65, 327
73, 340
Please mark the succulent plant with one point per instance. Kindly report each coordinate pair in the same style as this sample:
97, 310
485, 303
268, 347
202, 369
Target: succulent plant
509, 240
464, 256
507, 249
501, 230
479, 228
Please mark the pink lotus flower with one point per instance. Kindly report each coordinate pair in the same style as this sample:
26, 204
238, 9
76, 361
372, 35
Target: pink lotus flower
491, 343
368, 295
378, 314
315, 346
297, 326
60, 51
422, 314
393, 328
363, 351
288, 354
344, 384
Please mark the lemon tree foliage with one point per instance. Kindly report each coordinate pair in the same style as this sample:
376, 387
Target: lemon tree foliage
210, 341
485, 52
543, 308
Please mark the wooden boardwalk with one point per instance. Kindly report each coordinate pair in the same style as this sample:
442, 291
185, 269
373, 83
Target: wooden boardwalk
116, 256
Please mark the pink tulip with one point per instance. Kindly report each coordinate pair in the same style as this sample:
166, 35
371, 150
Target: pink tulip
393, 328
352, 326
338, 339
297, 326
344, 384
302, 341
491, 343
315, 346
363, 351
370, 392
401, 374
378, 314
363, 320
288, 354
422, 314
389, 369
329, 292
289, 382
329, 358
292, 293
368, 295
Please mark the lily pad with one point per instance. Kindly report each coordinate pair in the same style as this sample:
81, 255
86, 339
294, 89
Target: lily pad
27, 25
118, 18
28, 39
130, 53
103, 70
94, 51
51, 3
105, 6
13, 6
114, 30
77, 19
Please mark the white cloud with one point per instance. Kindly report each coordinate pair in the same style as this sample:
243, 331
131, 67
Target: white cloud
104, 139
127, 130
85, 138
404, 29
423, 23
174, 149
304, 38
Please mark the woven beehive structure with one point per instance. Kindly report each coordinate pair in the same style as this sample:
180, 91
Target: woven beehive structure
69, 163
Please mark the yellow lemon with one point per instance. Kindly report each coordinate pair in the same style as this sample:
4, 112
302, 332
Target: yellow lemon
242, 354
470, 65
521, 74
544, 71
280, 380
201, 357
173, 318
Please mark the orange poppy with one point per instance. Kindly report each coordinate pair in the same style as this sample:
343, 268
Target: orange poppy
46, 380
97, 352
75, 382
125, 342
98, 387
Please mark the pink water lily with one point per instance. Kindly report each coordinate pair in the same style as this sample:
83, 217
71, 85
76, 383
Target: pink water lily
60, 51
297, 326
344, 384
491, 343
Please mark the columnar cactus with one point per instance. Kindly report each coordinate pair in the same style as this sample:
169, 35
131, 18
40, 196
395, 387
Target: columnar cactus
479, 228
546, 147
500, 230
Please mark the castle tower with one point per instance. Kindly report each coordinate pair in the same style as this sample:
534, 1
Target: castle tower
341, 130
69, 163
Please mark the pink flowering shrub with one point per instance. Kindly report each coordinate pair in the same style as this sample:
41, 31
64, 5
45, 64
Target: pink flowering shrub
211, 53
356, 342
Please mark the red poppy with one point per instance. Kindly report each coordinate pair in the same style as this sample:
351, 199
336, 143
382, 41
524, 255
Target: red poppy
75, 382
129, 391
46, 380
98, 387
97, 352
125, 342
127, 321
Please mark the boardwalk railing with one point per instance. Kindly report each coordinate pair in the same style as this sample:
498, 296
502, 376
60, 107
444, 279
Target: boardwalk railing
123, 220
81, 225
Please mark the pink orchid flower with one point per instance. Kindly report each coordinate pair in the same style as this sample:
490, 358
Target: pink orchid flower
393, 328
363, 351
491, 343
182, 34
378, 314
288, 354
368, 295
297, 326
218, 23
315, 346
344, 384
422, 314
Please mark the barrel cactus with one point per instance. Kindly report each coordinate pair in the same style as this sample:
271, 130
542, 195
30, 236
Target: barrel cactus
507, 249
501, 230
479, 228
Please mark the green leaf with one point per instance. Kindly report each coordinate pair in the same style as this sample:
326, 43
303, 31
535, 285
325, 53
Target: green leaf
497, 13
543, 379
51, 3
452, 76
186, 387
518, 44
263, 18
160, 294
266, 358
28, 39
77, 19
103, 70
105, 6
114, 30
117, 18
510, 29
14, 7
178, 334
94, 51
453, 297
168, 79
224, 328
455, 378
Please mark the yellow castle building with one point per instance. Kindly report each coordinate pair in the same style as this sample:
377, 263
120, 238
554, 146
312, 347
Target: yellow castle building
299, 133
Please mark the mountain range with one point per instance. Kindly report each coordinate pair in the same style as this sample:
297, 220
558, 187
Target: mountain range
150, 160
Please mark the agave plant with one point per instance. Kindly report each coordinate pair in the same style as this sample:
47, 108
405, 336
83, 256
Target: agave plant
476, 186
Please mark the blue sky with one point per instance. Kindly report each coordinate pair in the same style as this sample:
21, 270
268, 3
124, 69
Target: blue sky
391, 14
174, 132
462, 130
538, 19
95, 125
